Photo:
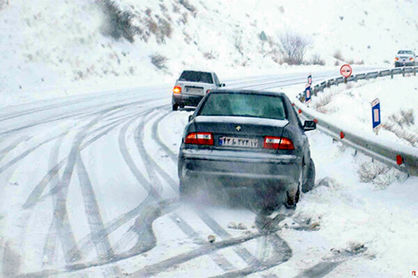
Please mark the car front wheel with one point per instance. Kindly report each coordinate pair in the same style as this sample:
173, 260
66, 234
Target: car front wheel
175, 107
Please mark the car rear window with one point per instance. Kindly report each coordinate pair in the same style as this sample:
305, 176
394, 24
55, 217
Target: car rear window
245, 105
196, 76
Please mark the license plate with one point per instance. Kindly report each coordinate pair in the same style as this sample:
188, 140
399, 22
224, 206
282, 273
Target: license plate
238, 142
194, 91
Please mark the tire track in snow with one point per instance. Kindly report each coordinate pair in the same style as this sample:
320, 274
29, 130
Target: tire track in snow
35, 195
82, 112
60, 216
159, 267
9, 148
323, 268
157, 138
103, 248
60, 222
85, 243
27, 152
206, 249
49, 254
52, 174
319, 270
284, 253
100, 112
61, 105
107, 229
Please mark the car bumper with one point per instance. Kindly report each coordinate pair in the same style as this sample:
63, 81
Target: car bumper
404, 64
240, 168
186, 100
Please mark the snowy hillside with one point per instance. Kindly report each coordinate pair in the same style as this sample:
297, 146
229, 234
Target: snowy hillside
48, 45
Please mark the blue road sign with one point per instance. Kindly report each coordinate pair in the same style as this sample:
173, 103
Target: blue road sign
376, 113
308, 95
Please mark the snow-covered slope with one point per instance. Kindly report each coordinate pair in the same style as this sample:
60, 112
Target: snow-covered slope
48, 45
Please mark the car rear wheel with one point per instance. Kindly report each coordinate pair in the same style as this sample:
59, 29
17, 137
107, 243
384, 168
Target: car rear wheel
175, 107
310, 179
293, 195
292, 198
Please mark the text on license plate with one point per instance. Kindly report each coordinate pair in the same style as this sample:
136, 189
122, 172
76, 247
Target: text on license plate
238, 142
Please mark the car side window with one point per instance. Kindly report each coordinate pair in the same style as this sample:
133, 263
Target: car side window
217, 83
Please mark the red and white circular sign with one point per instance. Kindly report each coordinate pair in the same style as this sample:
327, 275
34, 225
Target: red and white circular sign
346, 70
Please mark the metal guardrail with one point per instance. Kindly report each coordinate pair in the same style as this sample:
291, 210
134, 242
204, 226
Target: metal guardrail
404, 158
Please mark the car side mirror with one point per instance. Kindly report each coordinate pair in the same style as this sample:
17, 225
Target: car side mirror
222, 84
190, 118
309, 125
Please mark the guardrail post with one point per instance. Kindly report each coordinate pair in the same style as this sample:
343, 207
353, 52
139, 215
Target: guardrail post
415, 71
391, 73
403, 71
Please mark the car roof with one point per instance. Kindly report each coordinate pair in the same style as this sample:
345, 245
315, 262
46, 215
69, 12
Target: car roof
250, 92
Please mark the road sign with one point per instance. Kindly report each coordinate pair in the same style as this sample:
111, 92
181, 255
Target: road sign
346, 70
376, 114
308, 95
310, 79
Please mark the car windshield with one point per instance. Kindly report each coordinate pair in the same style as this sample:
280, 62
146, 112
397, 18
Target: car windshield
405, 52
246, 105
196, 76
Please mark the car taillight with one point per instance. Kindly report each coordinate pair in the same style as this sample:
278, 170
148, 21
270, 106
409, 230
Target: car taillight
278, 143
207, 91
199, 138
177, 90
396, 59
411, 59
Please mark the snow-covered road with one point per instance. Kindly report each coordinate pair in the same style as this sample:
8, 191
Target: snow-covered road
88, 188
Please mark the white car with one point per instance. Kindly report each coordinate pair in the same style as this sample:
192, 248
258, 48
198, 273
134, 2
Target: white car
405, 58
192, 86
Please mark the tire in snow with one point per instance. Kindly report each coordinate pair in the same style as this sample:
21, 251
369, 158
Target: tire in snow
310, 179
